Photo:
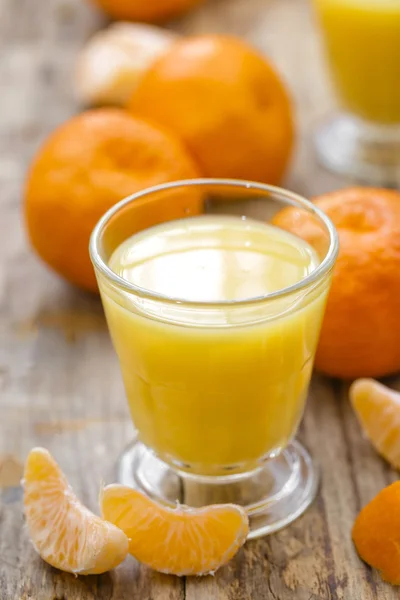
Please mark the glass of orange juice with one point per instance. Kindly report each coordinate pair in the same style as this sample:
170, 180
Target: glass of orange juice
362, 41
215, 315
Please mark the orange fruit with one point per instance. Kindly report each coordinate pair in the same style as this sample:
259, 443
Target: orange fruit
361, 331
85, 167
226, 102
376, 533
378, 410
178, 541
150, 11
63, 531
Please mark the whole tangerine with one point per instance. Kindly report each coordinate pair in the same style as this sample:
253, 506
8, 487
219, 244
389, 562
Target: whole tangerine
150, 11
87, 165
361, 330
226, 102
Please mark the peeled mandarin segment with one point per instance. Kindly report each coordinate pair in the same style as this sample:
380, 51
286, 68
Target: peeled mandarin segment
376, 533
378, 410
63, 531
179, 541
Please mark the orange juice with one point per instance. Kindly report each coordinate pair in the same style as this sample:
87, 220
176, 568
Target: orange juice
362, 38
213, 382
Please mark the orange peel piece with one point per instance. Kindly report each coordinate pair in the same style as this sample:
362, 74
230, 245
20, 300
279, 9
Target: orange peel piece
63, 531
180, 541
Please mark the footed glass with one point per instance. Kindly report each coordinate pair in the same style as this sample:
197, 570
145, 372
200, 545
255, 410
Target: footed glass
215, 315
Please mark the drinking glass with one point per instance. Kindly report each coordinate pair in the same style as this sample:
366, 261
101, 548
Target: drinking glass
216, 389
362, 43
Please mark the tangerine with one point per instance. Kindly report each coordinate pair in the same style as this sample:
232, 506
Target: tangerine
150, 11
85, 167
361, 330
378, 410
226, 102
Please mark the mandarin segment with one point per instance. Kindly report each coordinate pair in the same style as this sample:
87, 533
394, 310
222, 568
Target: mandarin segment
85, 167
361, 330
226, 102
376, 533
179, 541
378, 410
63, 531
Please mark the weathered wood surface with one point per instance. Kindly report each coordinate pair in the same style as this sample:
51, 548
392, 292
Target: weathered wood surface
59, 381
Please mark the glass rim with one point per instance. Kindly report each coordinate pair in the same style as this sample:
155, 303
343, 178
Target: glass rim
295, 199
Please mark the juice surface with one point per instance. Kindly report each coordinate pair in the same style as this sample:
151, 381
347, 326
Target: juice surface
363, 44
218, 387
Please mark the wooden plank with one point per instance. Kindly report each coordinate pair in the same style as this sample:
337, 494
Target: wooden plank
59, 381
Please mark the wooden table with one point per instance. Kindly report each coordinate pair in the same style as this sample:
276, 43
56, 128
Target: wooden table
60, 385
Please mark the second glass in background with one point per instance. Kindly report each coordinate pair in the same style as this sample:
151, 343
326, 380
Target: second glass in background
362, 42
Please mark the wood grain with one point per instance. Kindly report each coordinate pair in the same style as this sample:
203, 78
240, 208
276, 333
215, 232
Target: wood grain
59, 381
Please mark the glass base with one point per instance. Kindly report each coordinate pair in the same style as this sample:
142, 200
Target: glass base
274, 495
353, 148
